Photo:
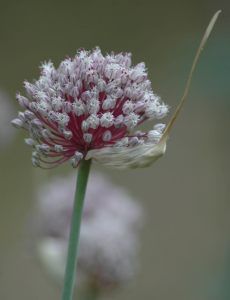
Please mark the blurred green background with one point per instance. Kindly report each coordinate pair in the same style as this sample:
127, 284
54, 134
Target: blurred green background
185, 242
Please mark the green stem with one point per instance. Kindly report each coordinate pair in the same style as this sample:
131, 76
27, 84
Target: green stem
70, 270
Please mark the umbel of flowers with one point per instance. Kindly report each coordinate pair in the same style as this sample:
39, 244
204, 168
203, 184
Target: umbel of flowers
109, 238
89, 107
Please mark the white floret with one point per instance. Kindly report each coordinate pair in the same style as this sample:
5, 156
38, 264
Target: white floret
107, 120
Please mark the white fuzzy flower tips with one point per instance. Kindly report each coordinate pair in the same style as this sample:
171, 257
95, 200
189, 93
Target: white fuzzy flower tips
109, 238
89, 103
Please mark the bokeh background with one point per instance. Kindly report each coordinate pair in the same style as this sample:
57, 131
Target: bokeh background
185, 241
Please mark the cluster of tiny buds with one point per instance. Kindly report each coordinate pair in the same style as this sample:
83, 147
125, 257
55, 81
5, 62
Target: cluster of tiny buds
89, 102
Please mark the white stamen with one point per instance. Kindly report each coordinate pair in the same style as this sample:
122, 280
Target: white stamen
46, 133
76, 159
67, 107
41, 96
131, 120
161, 111
128, 107
35, 162
93, 106
159, 127
85, 125
134, 141
47, 68
107, 135
78, 155
21, 116
33, 106
154, 136
122, 142
57, 104
43, 148
87, 137
150, 110
107, 120
30, 142
35, 154
43, 107
37, 123
113, 71
79, 107
58, 148
101, 84
52, 116
30, 88
68, 134
29, 115
23, 101
62, 119
118, 121
93, 121
108, 103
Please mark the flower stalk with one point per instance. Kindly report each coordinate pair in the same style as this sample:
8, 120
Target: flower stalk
70, 271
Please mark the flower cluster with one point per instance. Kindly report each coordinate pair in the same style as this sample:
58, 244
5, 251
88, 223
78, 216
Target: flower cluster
109, 231
89, 103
